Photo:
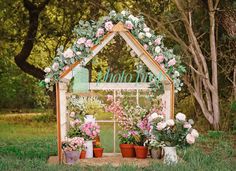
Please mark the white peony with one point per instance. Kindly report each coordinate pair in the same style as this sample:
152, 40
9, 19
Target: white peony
180, 117
170, 122
158, 49
68, 53
195, 133
47, 70
190, 139
149, 35
47, 80
141, 35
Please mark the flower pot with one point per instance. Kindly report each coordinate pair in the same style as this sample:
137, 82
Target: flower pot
89, 150
82, 154
98, 152
156, 153
127, 150
170, 155
141, 152
71, 156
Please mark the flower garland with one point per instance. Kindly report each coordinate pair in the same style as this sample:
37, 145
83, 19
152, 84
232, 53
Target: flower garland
90, 33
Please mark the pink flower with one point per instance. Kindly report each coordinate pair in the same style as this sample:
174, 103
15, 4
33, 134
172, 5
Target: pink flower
172, 62
146, 29
157, 41
108, 26
190, 139
194, 133
159, 58
55, 66
66, 68
89, 43
145, 46
161, 125
68, 53
129, 25
100, 32
187, 125
180, 117
81, 40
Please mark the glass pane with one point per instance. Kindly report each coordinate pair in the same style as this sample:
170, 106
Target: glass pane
106, 136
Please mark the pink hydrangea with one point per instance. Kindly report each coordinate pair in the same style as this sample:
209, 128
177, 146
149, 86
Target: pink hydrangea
90, 129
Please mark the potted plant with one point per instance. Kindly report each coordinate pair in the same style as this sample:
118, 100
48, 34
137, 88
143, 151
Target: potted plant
173, 133
155, 148
72, 148
89, 131
98, 150
127, 140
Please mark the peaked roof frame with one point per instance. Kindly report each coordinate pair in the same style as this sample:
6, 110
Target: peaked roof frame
65, 77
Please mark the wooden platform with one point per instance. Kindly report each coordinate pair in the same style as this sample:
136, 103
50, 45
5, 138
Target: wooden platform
114, 160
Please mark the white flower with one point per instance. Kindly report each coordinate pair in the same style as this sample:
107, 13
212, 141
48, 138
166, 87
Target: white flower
158, 41
149, 35
170, 122
158, 49
55, 66
194, 133
150, 43
47, 80
81, 40
176, 73
108, 25
133, 18
47, 70
72, 114
180, 117
161, 125
146, 29
191, 121
190, 139
123, 12
78, 53
68, 53
129, 25
141, 35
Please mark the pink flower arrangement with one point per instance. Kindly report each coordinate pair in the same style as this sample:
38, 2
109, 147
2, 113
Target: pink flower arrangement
74, 144
90, 130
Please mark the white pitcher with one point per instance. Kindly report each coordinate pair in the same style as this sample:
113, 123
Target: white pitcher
170, 156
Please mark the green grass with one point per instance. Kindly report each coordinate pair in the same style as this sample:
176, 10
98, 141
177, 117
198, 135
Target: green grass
26, 144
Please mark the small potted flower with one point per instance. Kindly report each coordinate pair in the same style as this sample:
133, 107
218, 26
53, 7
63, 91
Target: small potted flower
72, 148
98, 150
89, 131
173, 133
127, 140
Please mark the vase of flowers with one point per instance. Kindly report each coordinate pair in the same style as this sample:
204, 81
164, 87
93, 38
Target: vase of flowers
173, 133
89, 131
72, 148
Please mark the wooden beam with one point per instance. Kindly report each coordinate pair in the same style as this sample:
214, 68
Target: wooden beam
59, 151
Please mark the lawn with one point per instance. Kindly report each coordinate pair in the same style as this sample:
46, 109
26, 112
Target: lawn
26, 143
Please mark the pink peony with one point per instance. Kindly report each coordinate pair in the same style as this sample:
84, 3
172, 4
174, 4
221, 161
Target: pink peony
89, 43
81, 40
108, 26
159, 58
161, 125
187, 125
68, 53
100, 32
172, 62
129, 25
190, 139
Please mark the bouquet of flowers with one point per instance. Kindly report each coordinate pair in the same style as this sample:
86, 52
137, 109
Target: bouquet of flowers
74, 144
90, 130
173, 132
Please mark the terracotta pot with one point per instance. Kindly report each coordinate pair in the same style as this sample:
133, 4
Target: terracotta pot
127, 150
82, 154
98, 152
141, 152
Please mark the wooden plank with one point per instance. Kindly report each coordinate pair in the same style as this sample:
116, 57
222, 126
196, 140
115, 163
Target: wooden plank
59, 151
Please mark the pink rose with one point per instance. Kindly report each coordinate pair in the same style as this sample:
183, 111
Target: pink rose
81, 40
55, 66
89, 43
172, 62
145, 46
187, 125
108, 26
159, 58
68, 53
129, 25
157, 41
100, 32
190, 139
